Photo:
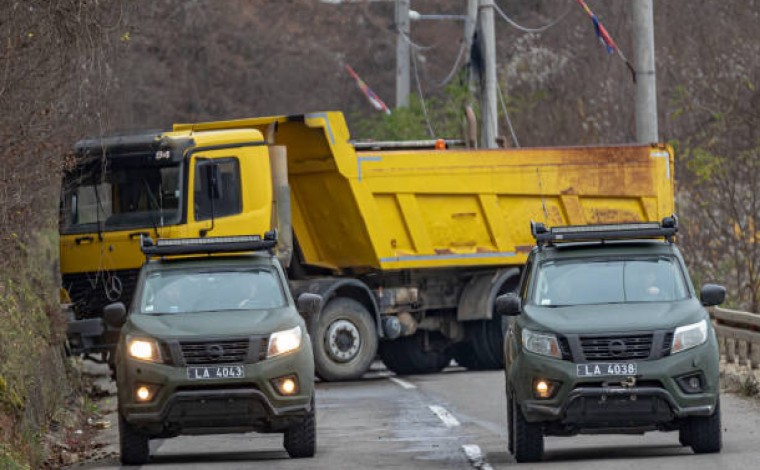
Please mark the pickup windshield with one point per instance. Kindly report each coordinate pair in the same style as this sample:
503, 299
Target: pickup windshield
585, 282
179, 292
120, 193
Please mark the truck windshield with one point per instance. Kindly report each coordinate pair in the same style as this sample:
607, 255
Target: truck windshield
213, 291
120, 194
584, 282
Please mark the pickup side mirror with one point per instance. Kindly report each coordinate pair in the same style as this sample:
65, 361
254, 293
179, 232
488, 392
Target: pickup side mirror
508, 305
115, 314
309, 305
712, 294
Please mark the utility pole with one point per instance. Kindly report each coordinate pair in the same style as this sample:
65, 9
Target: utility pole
646, 83
402, 53
488, 107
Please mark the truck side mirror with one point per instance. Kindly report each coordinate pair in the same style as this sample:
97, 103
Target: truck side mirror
508, 304
115, 314
712, 294
309, 305
211, 179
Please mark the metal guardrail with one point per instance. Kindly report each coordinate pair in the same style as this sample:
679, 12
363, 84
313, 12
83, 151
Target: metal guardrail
738, 336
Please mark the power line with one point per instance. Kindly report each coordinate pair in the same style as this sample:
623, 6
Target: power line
454, 68
422, 97
506, 115
524, 29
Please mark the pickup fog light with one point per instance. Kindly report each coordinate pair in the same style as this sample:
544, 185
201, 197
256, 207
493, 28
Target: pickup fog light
287, 385
692, 383
689, 336
145, 393
282, 342
545, 344
544, 388
143, 349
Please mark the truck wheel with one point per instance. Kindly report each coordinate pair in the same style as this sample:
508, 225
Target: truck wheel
300, 440
488, 342
464, 354
705, 433
345, 340
407, 355
133, 444
528, 440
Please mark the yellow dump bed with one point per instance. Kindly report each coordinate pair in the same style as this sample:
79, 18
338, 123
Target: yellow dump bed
410, 209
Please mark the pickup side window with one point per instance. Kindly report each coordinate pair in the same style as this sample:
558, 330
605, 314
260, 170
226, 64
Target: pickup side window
227, 200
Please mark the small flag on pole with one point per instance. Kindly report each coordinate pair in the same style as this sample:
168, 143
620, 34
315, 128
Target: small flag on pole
605, 38
374, 100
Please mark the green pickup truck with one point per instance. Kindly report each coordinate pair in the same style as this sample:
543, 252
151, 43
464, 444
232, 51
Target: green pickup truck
213, 343
607, 335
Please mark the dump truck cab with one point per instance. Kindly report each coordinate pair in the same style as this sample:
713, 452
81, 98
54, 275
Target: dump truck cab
608, 335
213, 343
162, 185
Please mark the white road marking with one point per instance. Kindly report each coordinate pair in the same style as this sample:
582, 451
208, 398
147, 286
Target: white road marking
402, 383
476, 457
448, 419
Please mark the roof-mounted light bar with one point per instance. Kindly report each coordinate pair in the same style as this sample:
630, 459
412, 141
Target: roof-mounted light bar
573, 233
206, 245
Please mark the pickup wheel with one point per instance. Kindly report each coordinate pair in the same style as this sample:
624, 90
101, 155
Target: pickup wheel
705, 433
510, 426
407, 355
133, 444
300, 440
528, 437
345, 340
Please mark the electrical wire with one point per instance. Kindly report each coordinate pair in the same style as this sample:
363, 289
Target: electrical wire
409, 41
506, 116
524, 29
454, 69
422, 97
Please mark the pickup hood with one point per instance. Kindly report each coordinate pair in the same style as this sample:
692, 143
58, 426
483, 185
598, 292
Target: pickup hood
611, 318
202, 324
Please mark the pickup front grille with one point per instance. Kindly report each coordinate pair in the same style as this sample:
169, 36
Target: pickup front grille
615, 348
215, 352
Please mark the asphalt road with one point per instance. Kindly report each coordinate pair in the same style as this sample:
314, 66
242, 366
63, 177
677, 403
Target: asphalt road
454, 419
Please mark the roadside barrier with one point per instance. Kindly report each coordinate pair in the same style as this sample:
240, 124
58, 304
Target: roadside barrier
738, 336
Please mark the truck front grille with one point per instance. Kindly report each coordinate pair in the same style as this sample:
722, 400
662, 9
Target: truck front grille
617, 347
92, 291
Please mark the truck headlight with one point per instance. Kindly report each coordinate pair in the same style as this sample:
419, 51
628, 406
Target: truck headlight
689, 336
144, 349
285, 341
545, 344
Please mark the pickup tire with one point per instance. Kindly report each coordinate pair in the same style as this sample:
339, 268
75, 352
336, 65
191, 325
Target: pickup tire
407, 355
705, 433
345, 340
528, 438
300, 440
133, 444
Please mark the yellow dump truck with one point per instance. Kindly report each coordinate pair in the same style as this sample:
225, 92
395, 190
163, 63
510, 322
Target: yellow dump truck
408, 244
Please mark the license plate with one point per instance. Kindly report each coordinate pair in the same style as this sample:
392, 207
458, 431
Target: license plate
600, 369
215, 372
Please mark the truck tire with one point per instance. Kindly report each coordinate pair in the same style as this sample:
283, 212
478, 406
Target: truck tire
300, 440
528, 438
133, 444
345, 340
487, 340
407, 355
705, 433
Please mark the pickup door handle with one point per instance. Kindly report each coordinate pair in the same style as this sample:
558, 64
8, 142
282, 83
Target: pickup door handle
81, 240
134, 235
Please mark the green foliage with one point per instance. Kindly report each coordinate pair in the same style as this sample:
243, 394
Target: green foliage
704, 164
8, 461
444, 113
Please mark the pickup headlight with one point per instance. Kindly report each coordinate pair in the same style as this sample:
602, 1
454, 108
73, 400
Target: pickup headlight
285, 341
144, 349
689, 336
545, 344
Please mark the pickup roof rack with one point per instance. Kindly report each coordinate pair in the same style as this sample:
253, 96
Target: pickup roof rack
207, 245
574, 233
